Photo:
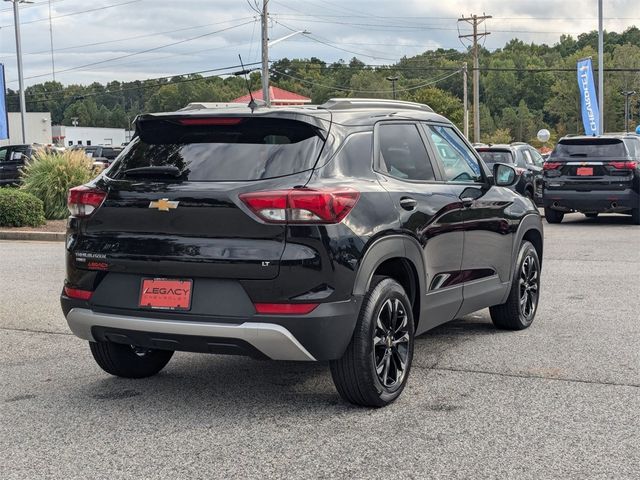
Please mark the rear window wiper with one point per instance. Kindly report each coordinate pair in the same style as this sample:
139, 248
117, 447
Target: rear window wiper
578, 155
153, 171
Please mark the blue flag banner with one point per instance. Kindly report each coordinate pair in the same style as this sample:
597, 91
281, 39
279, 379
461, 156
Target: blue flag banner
4, 119
588, 99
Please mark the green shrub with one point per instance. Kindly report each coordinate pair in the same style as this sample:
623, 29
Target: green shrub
20, 209
50, 175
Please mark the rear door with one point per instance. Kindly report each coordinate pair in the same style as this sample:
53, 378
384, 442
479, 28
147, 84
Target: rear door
428, 211
13, 163
172, 207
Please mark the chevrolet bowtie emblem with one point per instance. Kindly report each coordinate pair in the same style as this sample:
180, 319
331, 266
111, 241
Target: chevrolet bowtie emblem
164, 205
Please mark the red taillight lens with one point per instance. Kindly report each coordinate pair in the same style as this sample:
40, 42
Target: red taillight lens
83, 201
623, 165
211, 121
285, 308
77, 293
302, 205
551, 165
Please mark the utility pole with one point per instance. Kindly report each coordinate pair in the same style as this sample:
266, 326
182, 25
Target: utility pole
23, 103
393, 81
601, 66
265, 53
474, 21
465, 100
627, 97
53, 60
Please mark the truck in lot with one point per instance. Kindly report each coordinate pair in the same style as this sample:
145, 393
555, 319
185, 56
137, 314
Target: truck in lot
333, 233
593, 175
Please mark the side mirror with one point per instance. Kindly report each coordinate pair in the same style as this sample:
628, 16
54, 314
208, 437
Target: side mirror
504, 175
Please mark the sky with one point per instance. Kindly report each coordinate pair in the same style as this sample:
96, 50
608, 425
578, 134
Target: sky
104, 40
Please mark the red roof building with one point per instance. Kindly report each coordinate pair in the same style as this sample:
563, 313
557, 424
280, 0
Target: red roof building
278, 96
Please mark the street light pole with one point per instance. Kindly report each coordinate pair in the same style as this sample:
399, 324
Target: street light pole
23, 103
265, 53
393, 81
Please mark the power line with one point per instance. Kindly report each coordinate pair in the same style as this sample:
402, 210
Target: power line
128, 55
104, 7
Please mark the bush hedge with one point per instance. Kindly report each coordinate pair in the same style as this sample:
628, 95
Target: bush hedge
50, 175
20, 209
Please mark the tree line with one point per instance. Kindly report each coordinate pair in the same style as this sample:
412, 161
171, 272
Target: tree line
523, 87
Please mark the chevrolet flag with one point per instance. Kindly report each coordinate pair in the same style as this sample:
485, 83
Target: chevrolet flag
588, 99
4, 120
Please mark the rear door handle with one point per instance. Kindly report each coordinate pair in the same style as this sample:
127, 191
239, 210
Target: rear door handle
408, 203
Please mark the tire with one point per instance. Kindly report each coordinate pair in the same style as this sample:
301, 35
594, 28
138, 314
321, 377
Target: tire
635, 216
513, 315
591, 215
128, 361
368, 375
553, 216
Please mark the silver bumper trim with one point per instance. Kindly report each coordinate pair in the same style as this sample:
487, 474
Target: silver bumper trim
275, 341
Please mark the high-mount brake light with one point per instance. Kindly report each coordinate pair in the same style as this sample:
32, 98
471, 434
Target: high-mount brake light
551, 165
625, 165
302, 205
210, 121
83, 201
285, 308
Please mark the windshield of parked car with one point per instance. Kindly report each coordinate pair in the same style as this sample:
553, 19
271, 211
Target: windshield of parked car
590, 147
219, 149
496, 156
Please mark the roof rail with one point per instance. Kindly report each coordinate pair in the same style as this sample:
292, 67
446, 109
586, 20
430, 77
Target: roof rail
349, 103
518, 143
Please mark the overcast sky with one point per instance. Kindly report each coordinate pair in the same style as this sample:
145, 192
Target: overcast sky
138, 39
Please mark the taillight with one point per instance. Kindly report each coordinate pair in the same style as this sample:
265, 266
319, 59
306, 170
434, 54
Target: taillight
285, 308
83, 201
77, 293
551, 165
302, 205
623, 165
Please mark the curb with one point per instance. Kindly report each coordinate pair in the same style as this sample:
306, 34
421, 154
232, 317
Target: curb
38, 236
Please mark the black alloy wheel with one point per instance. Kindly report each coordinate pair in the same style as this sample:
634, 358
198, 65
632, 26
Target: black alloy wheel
519, 311
375, 366
391, 344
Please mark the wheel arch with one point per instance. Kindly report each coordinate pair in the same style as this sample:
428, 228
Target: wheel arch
399, 257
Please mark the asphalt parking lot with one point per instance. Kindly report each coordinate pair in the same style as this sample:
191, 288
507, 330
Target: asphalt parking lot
559, 400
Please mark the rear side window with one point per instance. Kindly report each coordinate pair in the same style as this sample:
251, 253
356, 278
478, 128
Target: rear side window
403, 154
591, 147
496, 156
223, 149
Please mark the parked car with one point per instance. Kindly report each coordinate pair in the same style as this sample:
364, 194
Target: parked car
527, 162
335, 233
101, 156
13, 159
593, 175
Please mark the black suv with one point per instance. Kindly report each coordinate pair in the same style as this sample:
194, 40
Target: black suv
527, 162
337, 232
13, 158
593, 175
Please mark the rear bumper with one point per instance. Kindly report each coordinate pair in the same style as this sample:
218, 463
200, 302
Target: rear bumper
321, 335
606, 201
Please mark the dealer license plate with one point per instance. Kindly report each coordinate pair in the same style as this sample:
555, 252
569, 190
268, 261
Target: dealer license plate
166, 294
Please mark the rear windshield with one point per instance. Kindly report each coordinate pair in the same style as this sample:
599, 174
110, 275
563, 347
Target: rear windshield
253, 149
496, 156
596, 147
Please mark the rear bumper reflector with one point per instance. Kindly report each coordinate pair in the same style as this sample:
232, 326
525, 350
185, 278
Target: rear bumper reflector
77, 293
285, 308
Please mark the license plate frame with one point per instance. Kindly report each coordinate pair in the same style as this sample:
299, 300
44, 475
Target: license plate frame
584, 171
173, 294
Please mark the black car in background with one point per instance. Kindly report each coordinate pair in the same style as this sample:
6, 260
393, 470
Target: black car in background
527, 162
13, 159
593, 175
334, 233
